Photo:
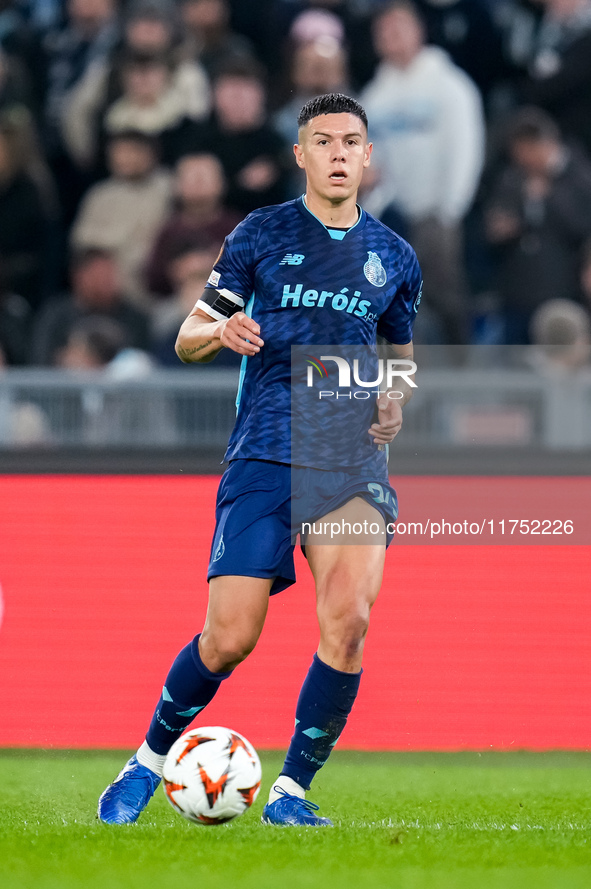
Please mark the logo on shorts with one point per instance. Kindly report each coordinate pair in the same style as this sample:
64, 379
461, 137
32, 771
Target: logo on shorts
381, 495
220, 550
374, 271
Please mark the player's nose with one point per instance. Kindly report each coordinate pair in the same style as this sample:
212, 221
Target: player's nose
338, 153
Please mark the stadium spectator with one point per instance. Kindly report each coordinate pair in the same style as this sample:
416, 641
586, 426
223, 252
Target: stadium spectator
15, 83
199, 219
15, 322
17, 37
189, 271
23, 217
41, 15
467, 30
90, 32
123, 213
561, 331
518, 22
316, 67
538, 217
561, 70
428, 133
100, 345
149, 103
585, 274
317, 24
347, 22
252, 153
214, 44
258, 23
92, 344
188, 268
150, 28
13, 29
95, 291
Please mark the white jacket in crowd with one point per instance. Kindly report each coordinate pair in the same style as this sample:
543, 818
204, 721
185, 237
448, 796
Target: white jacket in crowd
427, 125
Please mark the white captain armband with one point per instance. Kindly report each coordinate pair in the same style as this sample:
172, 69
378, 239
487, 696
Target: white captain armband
220, 304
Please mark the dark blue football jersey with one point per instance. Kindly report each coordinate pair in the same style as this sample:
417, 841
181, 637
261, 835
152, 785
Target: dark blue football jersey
306, 286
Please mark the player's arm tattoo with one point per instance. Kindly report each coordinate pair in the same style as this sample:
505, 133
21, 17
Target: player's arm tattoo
187, 354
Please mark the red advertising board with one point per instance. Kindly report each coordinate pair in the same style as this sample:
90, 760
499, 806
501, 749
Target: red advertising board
471, 646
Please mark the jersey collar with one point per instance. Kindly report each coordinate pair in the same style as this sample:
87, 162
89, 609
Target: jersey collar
305, 210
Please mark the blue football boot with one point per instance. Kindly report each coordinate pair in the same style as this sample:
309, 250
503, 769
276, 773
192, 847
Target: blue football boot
293, 811
129, 794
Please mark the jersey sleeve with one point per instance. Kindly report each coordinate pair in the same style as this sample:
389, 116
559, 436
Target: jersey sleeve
397, 322
233, 271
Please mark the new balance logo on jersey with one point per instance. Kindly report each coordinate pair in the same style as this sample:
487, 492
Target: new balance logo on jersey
292, 259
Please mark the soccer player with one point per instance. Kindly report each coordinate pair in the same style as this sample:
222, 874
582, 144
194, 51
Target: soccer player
311, 271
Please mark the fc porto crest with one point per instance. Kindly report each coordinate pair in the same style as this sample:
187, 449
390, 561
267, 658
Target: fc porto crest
374, 271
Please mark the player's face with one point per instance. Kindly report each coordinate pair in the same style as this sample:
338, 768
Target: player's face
333, 150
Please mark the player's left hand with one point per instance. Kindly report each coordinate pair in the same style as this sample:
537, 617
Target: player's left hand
389, 420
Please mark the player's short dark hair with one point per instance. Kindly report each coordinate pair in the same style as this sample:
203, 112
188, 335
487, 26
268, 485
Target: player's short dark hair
331, 103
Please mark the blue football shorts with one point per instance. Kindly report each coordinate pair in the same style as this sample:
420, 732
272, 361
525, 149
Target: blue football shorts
260, 507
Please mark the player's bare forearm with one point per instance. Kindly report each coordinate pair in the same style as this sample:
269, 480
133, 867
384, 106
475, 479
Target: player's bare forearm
393, 399
200, 339
403, 385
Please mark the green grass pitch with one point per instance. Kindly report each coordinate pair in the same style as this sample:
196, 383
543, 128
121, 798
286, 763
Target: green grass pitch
406, 821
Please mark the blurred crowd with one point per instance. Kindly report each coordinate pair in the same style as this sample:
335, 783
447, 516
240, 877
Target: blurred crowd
135, 134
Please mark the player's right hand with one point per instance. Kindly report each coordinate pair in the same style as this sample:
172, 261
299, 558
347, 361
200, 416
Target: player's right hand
241, 334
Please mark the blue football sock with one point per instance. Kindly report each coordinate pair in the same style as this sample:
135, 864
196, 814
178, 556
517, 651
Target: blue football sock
324, 704
189, 687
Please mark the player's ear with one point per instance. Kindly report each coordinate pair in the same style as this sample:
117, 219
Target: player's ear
297, 150
368, 151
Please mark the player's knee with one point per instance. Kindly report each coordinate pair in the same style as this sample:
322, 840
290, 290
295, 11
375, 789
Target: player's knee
346, 632
354, 628
221, 655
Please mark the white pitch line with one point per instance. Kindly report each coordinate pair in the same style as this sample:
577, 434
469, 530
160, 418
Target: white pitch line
480, 826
